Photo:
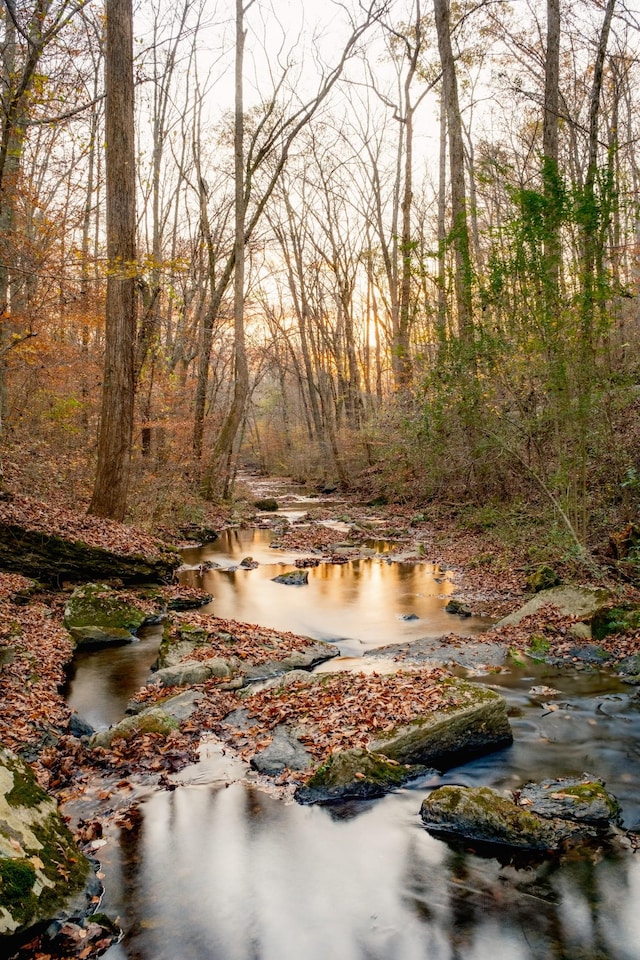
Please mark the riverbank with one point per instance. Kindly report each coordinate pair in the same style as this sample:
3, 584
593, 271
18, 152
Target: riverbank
36, 649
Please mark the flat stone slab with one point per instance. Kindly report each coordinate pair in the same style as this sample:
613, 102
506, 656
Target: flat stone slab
570, 601
451, 734
584, 800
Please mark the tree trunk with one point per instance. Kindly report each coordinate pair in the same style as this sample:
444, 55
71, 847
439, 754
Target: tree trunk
219, 461
116, 422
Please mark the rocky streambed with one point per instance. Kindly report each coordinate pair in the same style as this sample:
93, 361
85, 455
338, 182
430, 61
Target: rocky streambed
243, 698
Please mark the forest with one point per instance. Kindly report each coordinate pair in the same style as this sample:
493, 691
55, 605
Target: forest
387, 246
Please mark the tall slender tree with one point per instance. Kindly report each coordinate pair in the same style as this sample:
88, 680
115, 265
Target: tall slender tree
116, 421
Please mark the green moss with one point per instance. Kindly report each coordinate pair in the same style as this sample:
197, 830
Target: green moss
592, 790
25, 791
539, 645
96, 605
614, 619
18, 877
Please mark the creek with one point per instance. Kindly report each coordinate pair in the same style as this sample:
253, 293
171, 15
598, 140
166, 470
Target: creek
219, 869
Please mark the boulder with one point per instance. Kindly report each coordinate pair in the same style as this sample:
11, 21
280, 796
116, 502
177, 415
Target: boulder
355, 775
458, 608
482, 815
296, 578
193, 671
43, 875
268, 505
153, 720
543, 577
95, 615
572, 601
583, 799
50, 544
451, 734
614, 618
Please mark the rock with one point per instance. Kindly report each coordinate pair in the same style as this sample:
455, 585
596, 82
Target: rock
584, 800
95, 614
268, 504
543, 577
284, 752
355, 775
153, 720
451, 734
79, 727
481, 815
249, 563
317, 652
43, 875
459, 608
614, 619
571, 601
296, 578
179, 646
182, 706
409, 616
180, 604
50, 555
191, 672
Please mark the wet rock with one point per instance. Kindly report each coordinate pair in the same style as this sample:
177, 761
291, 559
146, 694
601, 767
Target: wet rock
459, 608
180, 604
409, 616
478, 725
43, 875
249, 563
543, 577
572, 601
183, 705
79, 727
193, 671
355, 775
482, 815
284, 752
96, 615
296, 578
153, 720
267, 504
584, 800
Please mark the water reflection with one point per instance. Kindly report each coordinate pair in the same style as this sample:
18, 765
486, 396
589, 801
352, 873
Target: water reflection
359, 604
215, 874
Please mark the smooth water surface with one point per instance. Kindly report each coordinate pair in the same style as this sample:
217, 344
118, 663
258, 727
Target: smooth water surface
221, 870
358, 605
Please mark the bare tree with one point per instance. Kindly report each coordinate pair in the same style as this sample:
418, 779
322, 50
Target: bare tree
116, 421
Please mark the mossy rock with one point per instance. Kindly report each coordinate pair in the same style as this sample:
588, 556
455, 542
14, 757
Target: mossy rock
614, 619
481, 815
477, 724
96, 614
43, 875
543, 577
268, 505
585, 800
458, 608
51, 558
571, 601
153, 720
179, 644
355, 775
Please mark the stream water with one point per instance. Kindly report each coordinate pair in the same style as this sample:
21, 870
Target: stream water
221, 870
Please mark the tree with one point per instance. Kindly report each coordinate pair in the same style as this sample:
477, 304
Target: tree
118, 389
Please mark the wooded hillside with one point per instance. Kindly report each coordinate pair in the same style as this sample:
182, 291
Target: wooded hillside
394, 246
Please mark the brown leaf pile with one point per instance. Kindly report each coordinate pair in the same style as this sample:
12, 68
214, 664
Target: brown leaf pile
244, 641
341, 710
35, 648
94, 531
